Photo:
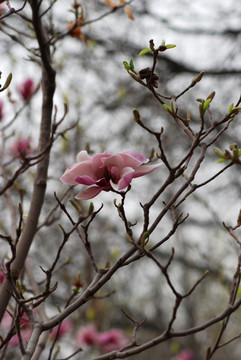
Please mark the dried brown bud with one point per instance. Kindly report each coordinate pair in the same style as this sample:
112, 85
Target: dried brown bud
162, 48
145, 73
151, 78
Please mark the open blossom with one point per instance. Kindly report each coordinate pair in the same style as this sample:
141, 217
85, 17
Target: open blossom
105, 171
26, 89
21, 148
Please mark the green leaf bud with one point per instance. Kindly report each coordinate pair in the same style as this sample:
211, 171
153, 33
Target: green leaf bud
131, 64
235, 111
198, 78
211, 96
205, 105
167, 108
144, 238
219, 152
76, 206
91, 209
230, 108
136, 116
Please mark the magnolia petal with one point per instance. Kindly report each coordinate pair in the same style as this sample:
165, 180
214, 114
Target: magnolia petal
142, 159
145, 169
83, 155
114, 161
97, 160
78, 169
85, 180
89, 193
125, 159
126, 177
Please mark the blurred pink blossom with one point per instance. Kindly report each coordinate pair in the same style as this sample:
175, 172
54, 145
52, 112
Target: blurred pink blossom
105, 171
87, 335
26, 89
105, 341
25, 335
1, 110
21, 148
184, 355
7, 322
112, 340
64, 328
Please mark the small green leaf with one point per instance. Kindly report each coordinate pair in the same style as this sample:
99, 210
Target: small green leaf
170, 46
205, 104
131, 64
126, 65
91, 209
219, 152
144, 51
230, 108
221, 160
167, 108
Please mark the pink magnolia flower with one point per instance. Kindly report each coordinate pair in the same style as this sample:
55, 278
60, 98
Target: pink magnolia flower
21, 148
112, 340
26, 89
87, 335
184, 355
105, 171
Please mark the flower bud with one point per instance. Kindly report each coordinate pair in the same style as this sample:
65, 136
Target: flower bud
211, 96
198, 78
232, 146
